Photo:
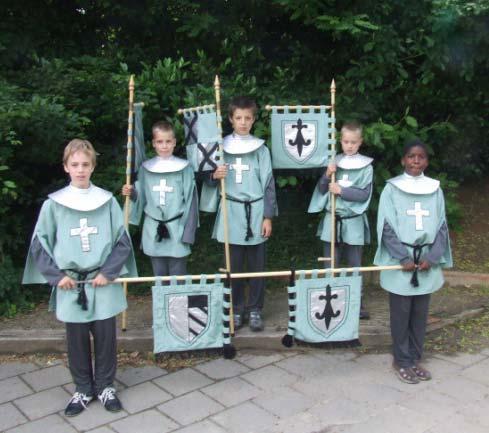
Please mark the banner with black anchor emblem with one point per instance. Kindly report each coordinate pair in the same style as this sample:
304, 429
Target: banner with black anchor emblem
190, 316
301, 137
324, 310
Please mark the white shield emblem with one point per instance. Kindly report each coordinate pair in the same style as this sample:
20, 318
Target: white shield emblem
327, 307
299, 139
188, 316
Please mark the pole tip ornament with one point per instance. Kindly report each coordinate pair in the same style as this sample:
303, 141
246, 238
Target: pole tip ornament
216, 81
131, 81
333, 84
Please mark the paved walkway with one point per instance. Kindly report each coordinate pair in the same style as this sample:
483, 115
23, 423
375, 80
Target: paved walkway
314, 391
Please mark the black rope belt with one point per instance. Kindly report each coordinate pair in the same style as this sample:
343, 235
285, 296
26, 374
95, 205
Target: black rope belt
417, 249
247, 206
162, 230
339, 226
81, 277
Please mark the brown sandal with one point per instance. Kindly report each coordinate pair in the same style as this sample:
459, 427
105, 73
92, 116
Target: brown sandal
406, 375
421, 373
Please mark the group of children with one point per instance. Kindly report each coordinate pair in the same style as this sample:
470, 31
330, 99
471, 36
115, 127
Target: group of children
80, 245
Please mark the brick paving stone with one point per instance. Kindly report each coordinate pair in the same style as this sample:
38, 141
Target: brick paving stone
182, 381
377, 396
430, 402
270, 377
48, 377
11, 369
299, 423
333, 357
190, 408
457, 424
13, 388
244, 418
142, 396
50, 424
102, 430
464, 390
256, 361
134, 375
231, 391
43, 403
10, 416
221, 368
202, 427
478, 372
463, 359
94, 416
303, 365
341, 411
284, 402
150, 421
478, 413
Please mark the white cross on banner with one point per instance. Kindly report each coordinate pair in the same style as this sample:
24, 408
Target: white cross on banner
84, 231
418, 213
162, 189
239, 168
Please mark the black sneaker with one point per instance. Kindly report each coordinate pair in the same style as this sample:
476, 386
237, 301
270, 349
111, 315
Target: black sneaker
110, 401
77, 404
256, 321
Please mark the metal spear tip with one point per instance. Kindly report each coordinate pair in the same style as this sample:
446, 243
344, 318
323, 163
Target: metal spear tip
333, 84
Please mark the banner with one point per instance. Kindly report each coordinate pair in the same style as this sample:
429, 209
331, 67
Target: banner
323, 310
190, 316
301, 139
201, 138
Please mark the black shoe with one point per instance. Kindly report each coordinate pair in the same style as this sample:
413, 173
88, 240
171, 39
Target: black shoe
110, 401
238, 320
77, 404
256, 321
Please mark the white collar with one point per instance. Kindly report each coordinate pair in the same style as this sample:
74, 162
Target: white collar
82, 199
415, 184
352, 162
239, 144
165, 165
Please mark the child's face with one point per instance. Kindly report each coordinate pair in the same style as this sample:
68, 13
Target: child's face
164, 143
80, 168
350, 141
415, 161
242, 120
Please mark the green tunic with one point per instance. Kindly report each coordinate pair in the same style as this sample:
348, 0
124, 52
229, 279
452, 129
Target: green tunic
416, 219
162, 196
354, 228
247, 179
81, 240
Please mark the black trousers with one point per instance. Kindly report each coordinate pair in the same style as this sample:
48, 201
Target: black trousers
408, 316
254, 257
92, 380
164, 266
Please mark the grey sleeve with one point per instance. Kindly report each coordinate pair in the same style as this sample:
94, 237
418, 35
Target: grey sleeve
191, 224
134, 194
439, 246
270, 200
46, 265
353, 193
323, 184
393, 244
117, 257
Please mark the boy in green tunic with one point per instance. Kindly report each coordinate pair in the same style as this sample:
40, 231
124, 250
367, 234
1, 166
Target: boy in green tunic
165, 192
251, 204
353, 191
80, 236
412, 231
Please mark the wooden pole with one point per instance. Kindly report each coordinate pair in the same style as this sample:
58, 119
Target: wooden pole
127, 202
333, 177
217, 89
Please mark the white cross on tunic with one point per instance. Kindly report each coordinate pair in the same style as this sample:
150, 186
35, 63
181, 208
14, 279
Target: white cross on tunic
84, 231
345, 182
162, 189
418, 213
239, 168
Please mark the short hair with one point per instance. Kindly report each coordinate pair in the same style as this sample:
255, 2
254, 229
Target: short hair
414, 142
242, 102
353, 126
79, 145
162, 125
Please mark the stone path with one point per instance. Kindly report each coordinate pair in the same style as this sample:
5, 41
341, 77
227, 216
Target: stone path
296, 392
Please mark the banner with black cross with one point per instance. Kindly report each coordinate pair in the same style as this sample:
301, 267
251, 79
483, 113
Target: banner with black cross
324, 310
202, 137
191, 316
302, 137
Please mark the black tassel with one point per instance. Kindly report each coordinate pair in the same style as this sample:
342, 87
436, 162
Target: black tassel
288, 340
82, 299
162, 232
414, 278
229, 351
